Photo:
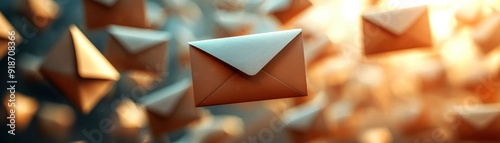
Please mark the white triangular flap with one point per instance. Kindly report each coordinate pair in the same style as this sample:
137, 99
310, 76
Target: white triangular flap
479, 117
136, 40
395, 21
250, 53
163, 101
108, 3
301, 117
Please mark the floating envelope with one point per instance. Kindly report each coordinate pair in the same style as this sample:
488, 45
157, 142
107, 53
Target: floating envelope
41, 12
79, 70
294, 7
101, 13
248, 68
229, 24
301, 117
171, 108
55, 121
487, 32
221, 128
308, 121
479, 122
24, 106
137, 49
391, 30
470, 12
5, 29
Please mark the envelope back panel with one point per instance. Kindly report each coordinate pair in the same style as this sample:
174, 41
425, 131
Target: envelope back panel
377, 39
208, 74
289, 65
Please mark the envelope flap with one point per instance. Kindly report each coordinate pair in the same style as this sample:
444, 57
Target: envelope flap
164, 101
250, 53
395, 21
136, 40
108, 3
479, 118
90, 62
5, 27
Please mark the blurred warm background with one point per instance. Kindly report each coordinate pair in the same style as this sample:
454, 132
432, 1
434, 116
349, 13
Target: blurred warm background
126, 75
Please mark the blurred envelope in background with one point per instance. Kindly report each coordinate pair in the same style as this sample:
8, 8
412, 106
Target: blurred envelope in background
79, 70
101, 13
41, 12
480, 122
391, 30
487, 32
171, 108
5, 29
131, 48
248, 68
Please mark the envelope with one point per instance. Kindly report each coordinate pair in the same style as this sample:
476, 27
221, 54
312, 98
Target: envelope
25, 107
5, 29
487, 32
40, 12
171, 108
101, 13
131, 48
248, 68
307, 122
391, 30
478, 122
294, 7
79, 70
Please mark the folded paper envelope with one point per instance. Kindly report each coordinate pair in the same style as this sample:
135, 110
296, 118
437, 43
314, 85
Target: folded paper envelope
79, 70
101, 13
40, 12
487, 32
391, 30
248, 68
171, 108
5, 29
479, 122
131, 48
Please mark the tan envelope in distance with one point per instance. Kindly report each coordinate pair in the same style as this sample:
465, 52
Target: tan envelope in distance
137, 49
101, 13
248, 68
391, 30
79, 70
5, 29
171, 108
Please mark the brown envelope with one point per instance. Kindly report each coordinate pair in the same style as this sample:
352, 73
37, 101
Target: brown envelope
40, 12
295, 7
487, 32
79, 70
171, 108
478, 122
101, 13
137, 49
248, 68
5, 28
391, 30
